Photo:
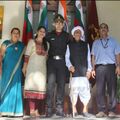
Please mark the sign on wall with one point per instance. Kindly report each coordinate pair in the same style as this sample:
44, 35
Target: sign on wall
1, 20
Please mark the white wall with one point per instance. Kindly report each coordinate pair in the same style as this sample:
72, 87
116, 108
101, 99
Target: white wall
13, 16
109, 12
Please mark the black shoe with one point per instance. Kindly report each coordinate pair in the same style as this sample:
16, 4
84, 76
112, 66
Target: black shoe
61, 114
75, 115
49, 114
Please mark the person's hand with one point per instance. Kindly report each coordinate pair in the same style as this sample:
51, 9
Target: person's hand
88, 74
24, 71
72, 69
117, 71
93, 74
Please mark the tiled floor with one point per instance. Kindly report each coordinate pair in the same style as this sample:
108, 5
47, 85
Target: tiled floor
59, 118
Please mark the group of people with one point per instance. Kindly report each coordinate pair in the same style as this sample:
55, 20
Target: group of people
44, 66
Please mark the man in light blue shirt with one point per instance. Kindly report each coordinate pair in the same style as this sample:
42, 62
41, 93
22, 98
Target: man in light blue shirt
106, 66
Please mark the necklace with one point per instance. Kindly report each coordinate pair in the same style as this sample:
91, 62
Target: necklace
105, 45
16, 48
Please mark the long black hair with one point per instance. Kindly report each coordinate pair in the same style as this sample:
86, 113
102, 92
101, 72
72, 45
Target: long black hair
44, 43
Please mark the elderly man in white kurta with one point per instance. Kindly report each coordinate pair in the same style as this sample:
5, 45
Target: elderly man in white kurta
79, 64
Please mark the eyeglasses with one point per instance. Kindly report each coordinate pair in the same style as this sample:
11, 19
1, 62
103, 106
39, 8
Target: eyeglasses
16, 33
101, 27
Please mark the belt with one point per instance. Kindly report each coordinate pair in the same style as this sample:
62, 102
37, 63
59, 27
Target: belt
104, 64
57, 57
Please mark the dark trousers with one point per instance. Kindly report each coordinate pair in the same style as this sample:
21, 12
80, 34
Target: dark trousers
56, 74
106, 78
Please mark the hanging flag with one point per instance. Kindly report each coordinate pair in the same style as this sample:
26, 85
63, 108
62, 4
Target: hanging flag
27, 27
79, 18
43, 20
92, 22
62, 10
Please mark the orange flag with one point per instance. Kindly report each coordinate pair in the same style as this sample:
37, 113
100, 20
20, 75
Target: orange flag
62, 10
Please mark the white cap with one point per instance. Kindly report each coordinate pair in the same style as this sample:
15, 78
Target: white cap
82, 32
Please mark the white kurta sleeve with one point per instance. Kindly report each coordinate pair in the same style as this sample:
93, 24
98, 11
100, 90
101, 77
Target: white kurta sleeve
89, 60
67, 58
29, 47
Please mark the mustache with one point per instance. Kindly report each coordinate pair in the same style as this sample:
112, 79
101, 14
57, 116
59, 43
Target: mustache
103, 30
